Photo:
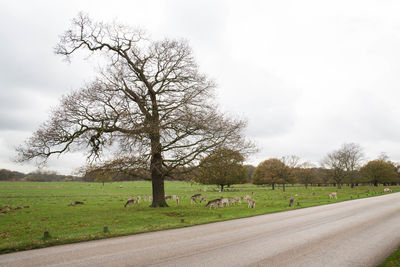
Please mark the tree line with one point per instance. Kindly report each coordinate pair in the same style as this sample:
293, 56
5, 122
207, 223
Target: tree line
225, 167
36, 176
343, 166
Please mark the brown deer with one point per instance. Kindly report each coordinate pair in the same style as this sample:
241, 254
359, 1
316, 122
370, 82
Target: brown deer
131, 200
194, 197
213, 203
251, 203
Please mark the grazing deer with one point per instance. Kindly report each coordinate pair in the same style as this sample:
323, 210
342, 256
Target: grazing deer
138, 199
194, 197
247, 197
131, 200
150, 198
193, 200
251, 203
387, 190
203, 199
177, 200
168, 197
333, 195
291, 201
237, 199
225, 202
213, 203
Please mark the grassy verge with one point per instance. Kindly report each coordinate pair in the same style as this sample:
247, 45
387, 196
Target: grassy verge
104, 206
393, 260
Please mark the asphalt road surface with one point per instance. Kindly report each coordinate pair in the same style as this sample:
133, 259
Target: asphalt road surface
361, 232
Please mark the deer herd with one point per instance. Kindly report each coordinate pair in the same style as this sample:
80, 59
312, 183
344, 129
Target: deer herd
198, 199
220, 202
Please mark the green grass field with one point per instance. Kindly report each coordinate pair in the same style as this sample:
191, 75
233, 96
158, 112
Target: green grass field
104, 206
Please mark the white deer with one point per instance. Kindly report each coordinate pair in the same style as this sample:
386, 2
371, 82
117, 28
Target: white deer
247, 197
225, 202
333, 195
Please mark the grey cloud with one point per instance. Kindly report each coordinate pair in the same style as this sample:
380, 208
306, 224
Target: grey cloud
23, 109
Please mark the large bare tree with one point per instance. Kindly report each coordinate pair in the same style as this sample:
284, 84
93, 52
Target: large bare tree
344, 163
149, 102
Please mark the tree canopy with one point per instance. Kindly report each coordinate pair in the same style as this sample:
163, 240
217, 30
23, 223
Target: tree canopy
344, 163
306, 174
222, 167
272, 172
379, 171
149, 103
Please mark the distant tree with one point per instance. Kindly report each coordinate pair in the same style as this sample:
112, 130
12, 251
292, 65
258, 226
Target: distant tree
383, 156
323, 176
7, 175
306, 174
335, 168
344, 163
352, 155
96, 174
292, 161
397, 169
222, 167
250, 171
41, 175
272, 172
150, 101
114, 170
103, 179
379, 171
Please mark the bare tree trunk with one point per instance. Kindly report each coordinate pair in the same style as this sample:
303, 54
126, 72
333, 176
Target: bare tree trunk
283, 187
157, 176
273, 186
222, 187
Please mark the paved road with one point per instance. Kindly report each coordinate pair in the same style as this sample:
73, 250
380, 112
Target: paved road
354, 233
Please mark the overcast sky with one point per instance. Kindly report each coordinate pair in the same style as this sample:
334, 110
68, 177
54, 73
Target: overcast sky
308, 75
